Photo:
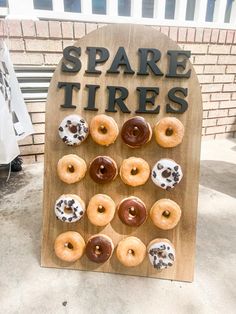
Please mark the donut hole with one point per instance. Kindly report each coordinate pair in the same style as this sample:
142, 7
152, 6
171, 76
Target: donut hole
97, 250
69, 245
166, 173
161, 254
103, 129
71, 168
68, 210
101, 209
102, 169
169, 131
134, 171
131, 252
132, 212
73, 128
135, 131
166, 214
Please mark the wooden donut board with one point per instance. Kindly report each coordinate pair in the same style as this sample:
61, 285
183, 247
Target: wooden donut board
187, 154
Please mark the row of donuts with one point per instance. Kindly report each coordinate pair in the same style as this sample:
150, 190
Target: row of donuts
134, 171
131, 251
135, 132
132, 211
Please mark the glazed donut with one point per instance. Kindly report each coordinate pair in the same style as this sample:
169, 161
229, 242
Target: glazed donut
134, 171
69, 246
166, 173
69, 208
101, 210
161, 253
99, 248
131, 251
103, 169
165, 214
169, 132
136, 132
132, 211
73, 130
103, 130
71, 168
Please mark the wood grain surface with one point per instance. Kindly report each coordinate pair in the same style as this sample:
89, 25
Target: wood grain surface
187, 154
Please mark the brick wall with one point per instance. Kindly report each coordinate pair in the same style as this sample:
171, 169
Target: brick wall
213, 56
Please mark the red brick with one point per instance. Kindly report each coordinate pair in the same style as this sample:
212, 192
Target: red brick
230, 36
222, 36
47, 45
79, 30
39, 128
209, 122
199, 35
214, 69
182, 34
211, 88
35, 106
214, 35
224, 78
223, 135
29, 159
37, 117
31, 149
28, 28
198, 68
191, 35
218, 113
207, 59
228, 104
26, 141
229, 87
231, 128
208, 137
173, 33
197, 49
42, 29
219, 49
39, 139
226, 120
40, 157
27, 58
90, 27
55, 29
232, 112
227, 59
205, 78
215, 129
16, 44
206, 35
210, 105
220, 96
14, 28
52, 58
67, 30
165, 30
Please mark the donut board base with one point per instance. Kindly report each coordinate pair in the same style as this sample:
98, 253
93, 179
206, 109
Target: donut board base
186, 154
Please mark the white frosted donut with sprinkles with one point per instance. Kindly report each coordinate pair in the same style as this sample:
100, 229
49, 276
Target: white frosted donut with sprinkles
161, 253
73, 130
166, 173
69, 208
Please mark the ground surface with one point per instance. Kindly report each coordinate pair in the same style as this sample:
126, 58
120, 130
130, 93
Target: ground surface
25, 287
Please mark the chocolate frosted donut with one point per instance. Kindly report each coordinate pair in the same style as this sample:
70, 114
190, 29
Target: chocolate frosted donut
132, 211
99, 248
103, 169
136, 131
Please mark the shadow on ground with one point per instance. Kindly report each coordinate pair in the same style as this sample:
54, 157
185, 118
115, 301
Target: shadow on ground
219, 176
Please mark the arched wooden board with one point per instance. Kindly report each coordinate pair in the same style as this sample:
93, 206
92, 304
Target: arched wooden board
187, 154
